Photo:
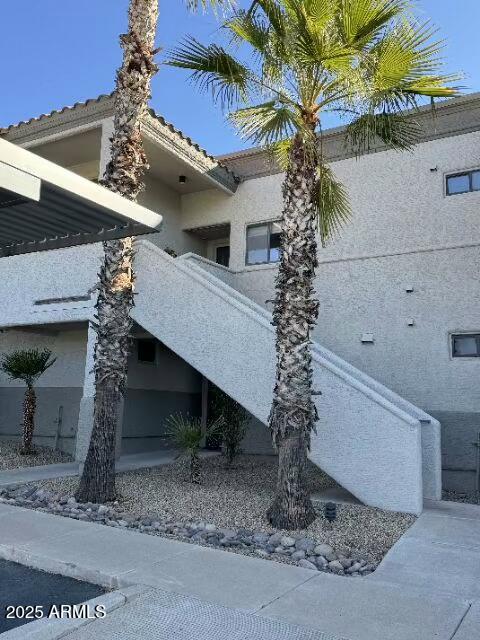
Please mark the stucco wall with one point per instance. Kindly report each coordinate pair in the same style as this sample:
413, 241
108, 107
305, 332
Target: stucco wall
158, 197
404, 233
155, 392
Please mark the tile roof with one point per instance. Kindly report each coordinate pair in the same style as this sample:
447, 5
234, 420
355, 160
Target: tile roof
103, 98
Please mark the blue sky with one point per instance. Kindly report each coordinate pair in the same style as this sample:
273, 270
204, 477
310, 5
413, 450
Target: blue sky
58, 52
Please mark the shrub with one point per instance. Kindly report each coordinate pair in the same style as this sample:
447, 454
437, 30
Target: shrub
187, 434
234, 422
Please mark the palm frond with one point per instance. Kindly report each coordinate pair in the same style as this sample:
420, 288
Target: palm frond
268, 50
266, 123
246, 27
332, 203
280, 152
396, 130
26, 364
361, 21
226, 5
186, 431
409, 59
213, 69
316, 42
272, 10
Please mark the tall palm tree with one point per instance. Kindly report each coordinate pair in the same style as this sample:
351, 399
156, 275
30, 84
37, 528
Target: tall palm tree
124, 174
290, 63
27, 365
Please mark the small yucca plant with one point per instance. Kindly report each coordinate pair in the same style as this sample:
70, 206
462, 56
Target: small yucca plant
27, 365
187, 434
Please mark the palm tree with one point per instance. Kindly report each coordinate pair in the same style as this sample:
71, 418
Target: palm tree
27, 365
124, 174
290, 63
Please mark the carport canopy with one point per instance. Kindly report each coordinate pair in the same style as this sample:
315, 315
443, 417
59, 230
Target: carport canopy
44, 206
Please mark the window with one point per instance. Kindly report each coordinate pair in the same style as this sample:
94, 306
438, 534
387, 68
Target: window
222, 255
466, 345
463, 182
263, 243
146, 350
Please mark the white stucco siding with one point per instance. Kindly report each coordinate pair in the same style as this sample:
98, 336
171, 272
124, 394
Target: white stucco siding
369, 296
398, 203
399, 207
49, 275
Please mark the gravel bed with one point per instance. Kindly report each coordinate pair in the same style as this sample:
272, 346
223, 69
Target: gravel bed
227, 510
467, 497
10, 457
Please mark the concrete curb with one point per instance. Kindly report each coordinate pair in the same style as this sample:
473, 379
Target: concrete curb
52, 629
67, 569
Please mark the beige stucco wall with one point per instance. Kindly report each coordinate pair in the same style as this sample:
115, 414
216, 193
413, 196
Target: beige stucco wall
159, 197
398, 203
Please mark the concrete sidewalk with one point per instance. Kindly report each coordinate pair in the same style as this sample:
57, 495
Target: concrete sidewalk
129, 462
239, 590
440, 552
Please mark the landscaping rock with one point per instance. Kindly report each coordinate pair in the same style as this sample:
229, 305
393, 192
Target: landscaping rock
287, 541
345, 562
306, 564
323, 550
261, 538
354, 568
335, 566
302, 551
305, 544
275, 539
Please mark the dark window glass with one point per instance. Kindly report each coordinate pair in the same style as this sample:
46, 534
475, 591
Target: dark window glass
263, 243
466, 345
458, 184
146, 350
275, 231
222, 256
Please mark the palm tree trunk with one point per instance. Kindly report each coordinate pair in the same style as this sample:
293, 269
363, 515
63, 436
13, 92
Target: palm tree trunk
293, 412
124, 174
29, 407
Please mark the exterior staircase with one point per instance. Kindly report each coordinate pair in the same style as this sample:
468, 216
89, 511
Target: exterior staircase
375, 444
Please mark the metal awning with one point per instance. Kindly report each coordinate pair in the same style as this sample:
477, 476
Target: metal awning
44, 206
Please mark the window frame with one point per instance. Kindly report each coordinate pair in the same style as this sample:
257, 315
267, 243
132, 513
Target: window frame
460, 174
465, 334
269, 224
150, 363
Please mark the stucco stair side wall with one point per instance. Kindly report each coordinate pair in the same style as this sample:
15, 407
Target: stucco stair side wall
364, 442
431, 429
